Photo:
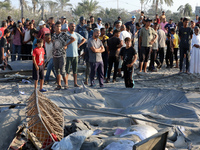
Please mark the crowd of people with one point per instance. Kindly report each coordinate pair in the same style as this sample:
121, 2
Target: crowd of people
102, 47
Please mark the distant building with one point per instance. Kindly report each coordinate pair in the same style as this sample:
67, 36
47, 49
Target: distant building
197, 10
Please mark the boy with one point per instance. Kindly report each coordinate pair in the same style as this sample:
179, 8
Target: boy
170, 50
49, 49
4, 50
35, 34
176, 45
38, 64
129, 56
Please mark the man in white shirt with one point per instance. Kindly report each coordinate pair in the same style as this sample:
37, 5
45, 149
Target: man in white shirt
27, 44
99, 24
124, 34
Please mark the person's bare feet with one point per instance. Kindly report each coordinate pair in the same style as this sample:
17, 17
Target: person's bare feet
76, 85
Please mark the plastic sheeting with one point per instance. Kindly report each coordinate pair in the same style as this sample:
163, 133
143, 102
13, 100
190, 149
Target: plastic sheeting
120, 145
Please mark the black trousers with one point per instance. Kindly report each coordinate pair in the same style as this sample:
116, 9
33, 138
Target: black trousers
105, 62
184, 51
82, 47
111, 60
153, 59
176, 54
128, 76
27, 48
161, 55
169, 58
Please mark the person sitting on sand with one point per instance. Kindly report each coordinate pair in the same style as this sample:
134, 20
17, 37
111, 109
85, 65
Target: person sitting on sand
129, 57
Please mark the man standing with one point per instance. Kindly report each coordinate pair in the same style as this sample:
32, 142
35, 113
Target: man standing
147, 38
180, 24
72, 52
185, 34
196, 19
64, 27
99, 24
81, 28
27, 43
43, 30
133, 28
114, 45
161, 45
96, 63
59, 40
3, 27
162, 17
163, 24
170, 25
94, 25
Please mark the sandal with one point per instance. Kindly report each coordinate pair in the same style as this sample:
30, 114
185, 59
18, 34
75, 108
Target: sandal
76, 85
58, 87
66, 87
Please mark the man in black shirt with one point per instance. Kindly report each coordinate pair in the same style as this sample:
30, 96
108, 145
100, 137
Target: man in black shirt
114, 45
110, 32
180, 24
4, 50
129, 56
94, 25
185, 34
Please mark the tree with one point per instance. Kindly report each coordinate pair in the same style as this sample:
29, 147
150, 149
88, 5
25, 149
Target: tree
63, 3
185, 10
89, 6
23, 4
35, 3
157, 2
52, 6
5, 5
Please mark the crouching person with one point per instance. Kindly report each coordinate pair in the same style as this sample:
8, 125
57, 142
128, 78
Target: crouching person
38, 65
129, 56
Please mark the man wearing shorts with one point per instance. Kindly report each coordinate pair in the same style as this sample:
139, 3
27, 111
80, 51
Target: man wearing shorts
72, 52
60, 44
147, 37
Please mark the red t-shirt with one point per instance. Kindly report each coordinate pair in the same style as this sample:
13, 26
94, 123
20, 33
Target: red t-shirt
2, 29
42, 33
38, 53
158, 20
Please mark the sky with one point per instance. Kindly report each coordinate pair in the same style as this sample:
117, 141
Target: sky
128, 5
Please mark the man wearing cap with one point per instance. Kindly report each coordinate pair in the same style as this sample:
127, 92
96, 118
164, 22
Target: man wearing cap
64, 27
72, 52
93, 24
43, 30
132, 25
170, 25
81, 28
99, 24
146, 40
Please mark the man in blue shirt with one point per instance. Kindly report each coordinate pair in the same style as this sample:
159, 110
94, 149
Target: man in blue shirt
72, 52
132, 25
170, 25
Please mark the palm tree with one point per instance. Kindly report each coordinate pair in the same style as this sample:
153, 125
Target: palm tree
157, 2
23, 4
89, 6
5, 5
52, 6
35, 3
63, 3
185, 10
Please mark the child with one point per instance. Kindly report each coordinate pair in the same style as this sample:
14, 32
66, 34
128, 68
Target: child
35, 34
38, 65
170, 50
176, 45
4, 49
129, 56
49, 49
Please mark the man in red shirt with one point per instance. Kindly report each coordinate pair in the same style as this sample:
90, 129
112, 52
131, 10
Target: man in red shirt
3, 27
43, 30
157, 19
38, 65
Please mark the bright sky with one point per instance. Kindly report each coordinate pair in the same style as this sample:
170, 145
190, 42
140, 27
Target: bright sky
128, 5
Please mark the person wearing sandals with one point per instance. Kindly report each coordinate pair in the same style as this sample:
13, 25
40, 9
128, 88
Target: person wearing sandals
72, 52
38, 65
60, 45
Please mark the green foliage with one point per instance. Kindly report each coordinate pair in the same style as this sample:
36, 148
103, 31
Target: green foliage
185, 10
5, 5
63, 4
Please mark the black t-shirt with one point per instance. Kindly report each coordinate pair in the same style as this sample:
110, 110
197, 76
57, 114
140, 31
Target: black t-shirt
110, 35
4, 44
185, 40
180, 24
112, 44
127, 55
94, 26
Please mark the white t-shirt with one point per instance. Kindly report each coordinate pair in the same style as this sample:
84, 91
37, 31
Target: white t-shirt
123, 35
99, 26
27, 36
49, 49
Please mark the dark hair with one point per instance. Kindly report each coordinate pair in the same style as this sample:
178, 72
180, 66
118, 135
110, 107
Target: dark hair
137, 24
168, 35
185, 19
91, 17
106, 24
110, 29
58, 22
102, 29
88, 21
9, 17
35, 31
128, 28
142, 12
155, 23
48, 35
127, 39
172, 30
6, 31
39, 40
3, 23
51, 18
116, 31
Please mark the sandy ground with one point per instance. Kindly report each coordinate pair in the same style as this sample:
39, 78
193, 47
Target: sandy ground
163, 79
